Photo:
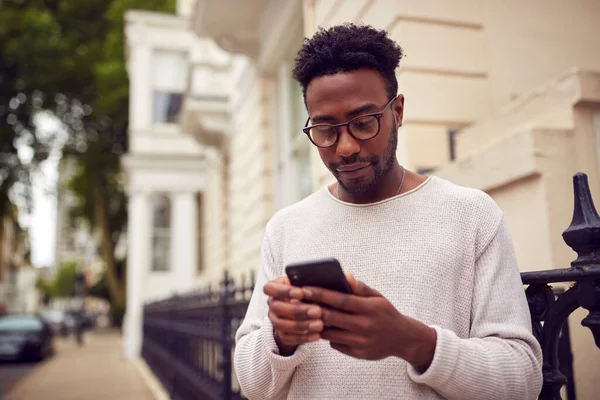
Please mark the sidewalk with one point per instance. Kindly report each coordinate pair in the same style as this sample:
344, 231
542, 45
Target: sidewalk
96, 371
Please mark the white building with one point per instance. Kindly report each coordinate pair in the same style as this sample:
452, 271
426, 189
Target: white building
167, 171
18, 292
74, 240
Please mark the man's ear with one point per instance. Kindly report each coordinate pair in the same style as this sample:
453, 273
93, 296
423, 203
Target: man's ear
398, 108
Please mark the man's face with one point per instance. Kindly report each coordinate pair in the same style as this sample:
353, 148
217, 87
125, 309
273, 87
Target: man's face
358, 165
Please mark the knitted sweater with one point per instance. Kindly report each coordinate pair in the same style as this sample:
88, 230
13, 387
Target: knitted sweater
439, 253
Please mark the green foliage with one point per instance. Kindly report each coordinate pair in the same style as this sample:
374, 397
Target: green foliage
45, 287
63, 284
68, 57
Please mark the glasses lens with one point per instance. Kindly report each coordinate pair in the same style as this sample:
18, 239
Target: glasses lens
323, 135
365, 127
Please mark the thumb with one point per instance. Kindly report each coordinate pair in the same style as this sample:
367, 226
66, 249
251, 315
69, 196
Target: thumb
359, 288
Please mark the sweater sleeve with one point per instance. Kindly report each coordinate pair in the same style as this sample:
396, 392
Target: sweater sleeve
261, 371
501, 359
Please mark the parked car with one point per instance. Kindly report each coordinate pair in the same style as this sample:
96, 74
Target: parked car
25, 337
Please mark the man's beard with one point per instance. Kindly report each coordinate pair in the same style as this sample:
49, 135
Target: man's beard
382, 165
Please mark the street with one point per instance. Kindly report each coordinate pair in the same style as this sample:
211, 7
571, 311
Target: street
11, 373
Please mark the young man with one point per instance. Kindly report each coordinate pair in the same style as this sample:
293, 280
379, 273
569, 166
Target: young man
441, 313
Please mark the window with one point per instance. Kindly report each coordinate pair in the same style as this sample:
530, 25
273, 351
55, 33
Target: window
170, 81
301, 146
452, 143
294, 168
167, 107
161, 232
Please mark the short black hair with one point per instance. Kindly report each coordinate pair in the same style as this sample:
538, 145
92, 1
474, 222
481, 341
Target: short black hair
345, 48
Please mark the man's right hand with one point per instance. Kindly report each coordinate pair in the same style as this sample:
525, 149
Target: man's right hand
294, 322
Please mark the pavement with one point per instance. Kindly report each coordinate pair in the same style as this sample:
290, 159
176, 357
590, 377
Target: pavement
96, 371
12, 372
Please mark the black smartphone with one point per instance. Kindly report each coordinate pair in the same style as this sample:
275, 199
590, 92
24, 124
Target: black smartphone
326, 273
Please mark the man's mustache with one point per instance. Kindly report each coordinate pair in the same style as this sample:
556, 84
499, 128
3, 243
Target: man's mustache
354, 159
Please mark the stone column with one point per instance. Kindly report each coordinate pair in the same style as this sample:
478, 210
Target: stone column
138, 264
184, 239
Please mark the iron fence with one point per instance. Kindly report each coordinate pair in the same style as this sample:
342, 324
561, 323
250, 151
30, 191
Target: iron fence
188, 340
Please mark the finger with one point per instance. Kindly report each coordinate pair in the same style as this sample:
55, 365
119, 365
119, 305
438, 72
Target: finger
345, 338
292, 339
283, 280
359, 288
295, 327
332, 298
294, 310
282, 291
343, 320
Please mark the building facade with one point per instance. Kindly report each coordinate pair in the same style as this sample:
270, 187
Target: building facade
167, 172
75, 242
497, 97
17, 276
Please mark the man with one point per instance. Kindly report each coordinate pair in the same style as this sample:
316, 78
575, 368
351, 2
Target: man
441, 313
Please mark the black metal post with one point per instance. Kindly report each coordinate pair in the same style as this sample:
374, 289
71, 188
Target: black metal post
583, 236
226, 298
171, 346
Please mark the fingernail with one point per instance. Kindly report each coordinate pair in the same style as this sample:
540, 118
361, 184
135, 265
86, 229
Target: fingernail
313, 312
297, 293
313, 337
307, 292
314, 326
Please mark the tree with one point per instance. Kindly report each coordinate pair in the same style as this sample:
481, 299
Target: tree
64, 283
67, 57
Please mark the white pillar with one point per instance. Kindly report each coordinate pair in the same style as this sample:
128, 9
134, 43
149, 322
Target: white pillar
184, 239
140, 85
138, 260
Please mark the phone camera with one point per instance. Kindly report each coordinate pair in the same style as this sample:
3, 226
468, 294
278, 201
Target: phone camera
295, 276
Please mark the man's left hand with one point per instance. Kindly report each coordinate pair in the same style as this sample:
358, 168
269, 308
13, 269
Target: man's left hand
366, 325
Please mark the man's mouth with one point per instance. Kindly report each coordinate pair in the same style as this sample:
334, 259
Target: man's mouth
351, 171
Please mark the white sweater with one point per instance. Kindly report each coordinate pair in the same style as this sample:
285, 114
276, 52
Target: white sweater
441, 254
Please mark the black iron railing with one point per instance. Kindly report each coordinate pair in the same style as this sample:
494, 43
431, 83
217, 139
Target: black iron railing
548, 313
189, 340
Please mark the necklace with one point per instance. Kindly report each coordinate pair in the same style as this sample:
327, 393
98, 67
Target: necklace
397, 192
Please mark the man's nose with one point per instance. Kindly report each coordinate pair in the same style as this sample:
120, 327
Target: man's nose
346, 145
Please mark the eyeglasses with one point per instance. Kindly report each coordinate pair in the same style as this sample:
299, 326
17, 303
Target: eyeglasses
363, 127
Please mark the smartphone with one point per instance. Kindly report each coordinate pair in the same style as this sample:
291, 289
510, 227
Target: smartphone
326, 273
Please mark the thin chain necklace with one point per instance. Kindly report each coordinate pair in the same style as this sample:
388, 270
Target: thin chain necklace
397, 192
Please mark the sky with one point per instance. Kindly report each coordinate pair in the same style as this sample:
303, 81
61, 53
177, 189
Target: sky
42, 222
42, 229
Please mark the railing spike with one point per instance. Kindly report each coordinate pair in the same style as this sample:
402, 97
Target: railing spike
583, 235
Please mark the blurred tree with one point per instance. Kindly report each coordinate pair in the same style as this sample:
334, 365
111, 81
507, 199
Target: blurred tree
63, 284
67, 57
45, 287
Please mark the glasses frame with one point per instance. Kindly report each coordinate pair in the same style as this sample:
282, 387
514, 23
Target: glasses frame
337, 127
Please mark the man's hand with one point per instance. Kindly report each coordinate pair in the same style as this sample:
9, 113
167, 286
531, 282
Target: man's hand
366, 325
294, 323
